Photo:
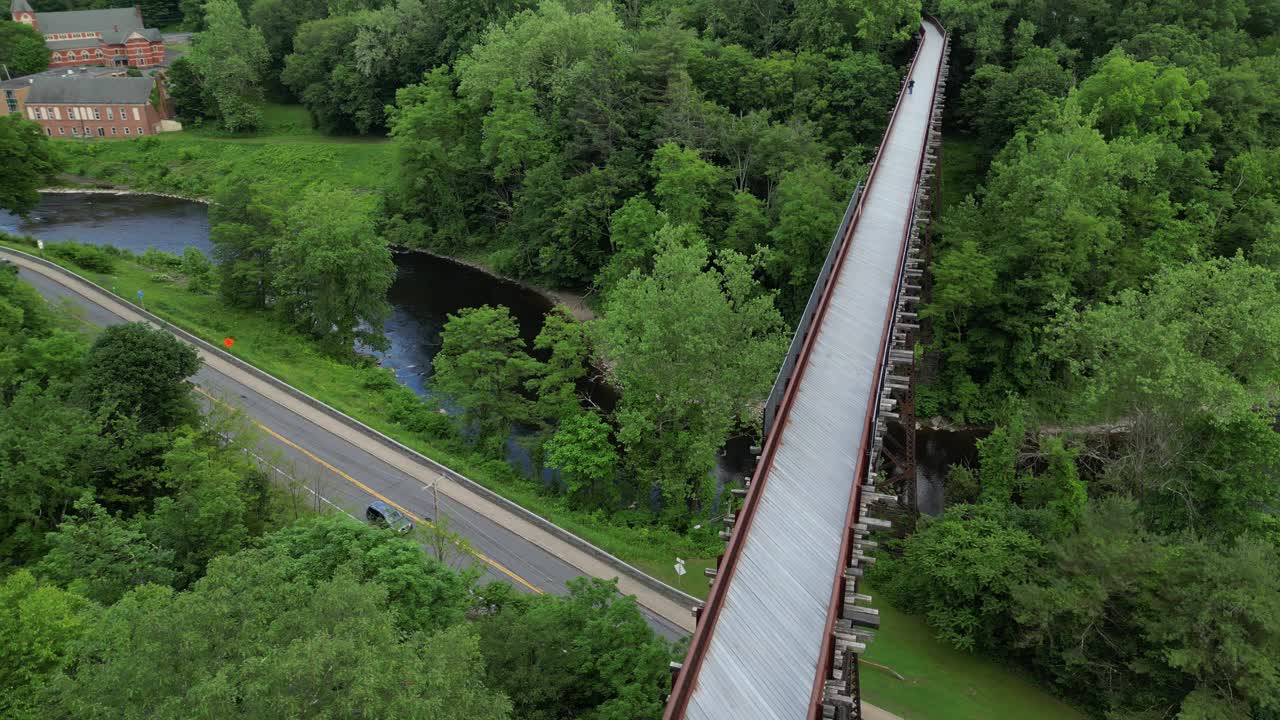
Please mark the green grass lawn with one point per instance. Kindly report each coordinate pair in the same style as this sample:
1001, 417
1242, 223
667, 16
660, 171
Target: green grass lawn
286, 153
943, 683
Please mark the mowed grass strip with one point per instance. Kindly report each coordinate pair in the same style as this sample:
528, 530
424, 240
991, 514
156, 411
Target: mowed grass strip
286, 154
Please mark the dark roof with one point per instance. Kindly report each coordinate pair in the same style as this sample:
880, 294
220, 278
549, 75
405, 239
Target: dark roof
150, 34
90, 90
102, 21
17, 6
72, 44
82, 71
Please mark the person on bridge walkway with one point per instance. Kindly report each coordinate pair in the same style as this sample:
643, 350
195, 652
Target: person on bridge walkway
911, 85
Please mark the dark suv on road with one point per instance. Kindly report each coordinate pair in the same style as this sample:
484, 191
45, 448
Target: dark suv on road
380, 513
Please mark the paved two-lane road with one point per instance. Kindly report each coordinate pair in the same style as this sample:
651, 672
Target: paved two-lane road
349, 469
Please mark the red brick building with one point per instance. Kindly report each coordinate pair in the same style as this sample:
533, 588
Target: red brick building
88, 107
94, 37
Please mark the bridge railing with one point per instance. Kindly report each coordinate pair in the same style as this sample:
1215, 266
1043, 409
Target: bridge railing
875, 425
774, 403
778, 405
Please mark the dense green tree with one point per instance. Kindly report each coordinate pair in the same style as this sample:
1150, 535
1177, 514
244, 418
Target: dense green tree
254, 639
422, 594
748, 224
632, 232
32, 346
320, 72
332, 271
51, 453
39, 627
441, 176
198, 270
1111, 612
664, 336
192, 102
1064, 212
586, 458
102, 557
810, 205
563, 342
229, 57
481, 368
578, 80
139, 372
960, 570
997, 102
1250, 219
514, 137
22, 48
1191, 366
24, 150
590, 655
686, 185
1132, 98
279, 20
215, 495
245, 222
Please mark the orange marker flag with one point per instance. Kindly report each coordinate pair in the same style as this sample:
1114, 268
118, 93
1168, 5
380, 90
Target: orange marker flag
228, 343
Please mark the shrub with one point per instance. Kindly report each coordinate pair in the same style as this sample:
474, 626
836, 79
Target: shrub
88, 257
160, 260
411, 413
198, 269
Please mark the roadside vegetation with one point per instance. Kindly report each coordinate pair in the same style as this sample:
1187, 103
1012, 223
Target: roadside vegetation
140, 539
181, 293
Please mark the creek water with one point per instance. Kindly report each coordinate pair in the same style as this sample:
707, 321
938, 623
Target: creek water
426, 290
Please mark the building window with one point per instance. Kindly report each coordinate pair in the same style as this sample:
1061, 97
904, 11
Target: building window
75, 131
121, 113
135, 114
84, 54
97, 114
48, 131
102, 133
126, 131
109, 114
56, 57
140, 132
71, 114
62, 131
39, 113
114, 131
98, 52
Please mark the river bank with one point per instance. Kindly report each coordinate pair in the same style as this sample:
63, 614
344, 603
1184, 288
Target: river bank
575, 302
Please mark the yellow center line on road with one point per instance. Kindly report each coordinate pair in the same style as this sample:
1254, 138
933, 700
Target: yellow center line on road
336, 471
